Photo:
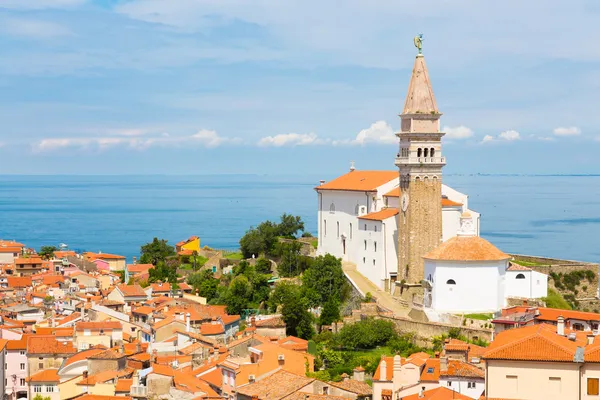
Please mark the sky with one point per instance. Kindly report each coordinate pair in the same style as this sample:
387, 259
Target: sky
293, 86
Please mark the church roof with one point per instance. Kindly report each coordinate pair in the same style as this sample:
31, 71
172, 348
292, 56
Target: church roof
361, 181
380, 215
420, 98
467, 248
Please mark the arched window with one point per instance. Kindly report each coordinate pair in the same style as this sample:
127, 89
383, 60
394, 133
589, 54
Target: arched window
338, 229
356, 209
450, 282
520, 276
418, 152
325, 227
375, 228
350, 231
332, 208
432, 152
426, 152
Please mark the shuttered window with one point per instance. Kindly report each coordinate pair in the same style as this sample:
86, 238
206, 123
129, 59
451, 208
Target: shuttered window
593, 386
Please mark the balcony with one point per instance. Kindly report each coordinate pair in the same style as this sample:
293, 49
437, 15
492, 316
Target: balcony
138, 391
420, 160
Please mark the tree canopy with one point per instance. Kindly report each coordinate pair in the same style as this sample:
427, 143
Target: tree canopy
262, 239
156, 251
47, 252
325, 280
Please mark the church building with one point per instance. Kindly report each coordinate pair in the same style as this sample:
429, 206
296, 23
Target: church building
405, 225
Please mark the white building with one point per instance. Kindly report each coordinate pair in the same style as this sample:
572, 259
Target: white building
358, 221
525, 282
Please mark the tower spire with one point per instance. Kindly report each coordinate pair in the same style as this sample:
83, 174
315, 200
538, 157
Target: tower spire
420, 98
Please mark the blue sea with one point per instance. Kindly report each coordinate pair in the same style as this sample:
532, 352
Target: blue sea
554, 216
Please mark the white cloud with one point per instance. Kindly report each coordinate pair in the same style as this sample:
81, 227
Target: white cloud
458, 132
506, 136
39, 4
32, 28
132, 139
510, 135
378, 132
567, 131
290, 139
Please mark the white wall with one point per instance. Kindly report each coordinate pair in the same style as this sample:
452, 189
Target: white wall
377, 243
533, 286
462, 386
479, 285
450, 222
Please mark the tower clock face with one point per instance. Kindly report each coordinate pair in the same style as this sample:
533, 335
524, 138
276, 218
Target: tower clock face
404, 202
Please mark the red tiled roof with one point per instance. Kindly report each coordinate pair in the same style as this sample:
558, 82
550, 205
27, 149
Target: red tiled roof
440, 393
363, 181
19, 281
47, 375
208, 328
123, 385
20, 344
552, 314
103, 256
532, 343
28, 260
143, 310
48, 345
131, 290
431, 371
83, 355
380, 215
466, 248
137, 268
98, 325
457, 368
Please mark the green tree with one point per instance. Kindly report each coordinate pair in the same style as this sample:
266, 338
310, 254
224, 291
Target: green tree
366, 334
205, 283
298, 320
330, 312
163, 273
282, 293
260, 288
156, 251
260, 240
291, 262
263, 266
289, 226
40, 397
326, 278
238, 295
47, 252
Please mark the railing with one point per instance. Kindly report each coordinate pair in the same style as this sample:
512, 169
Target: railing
138, 391
424, 160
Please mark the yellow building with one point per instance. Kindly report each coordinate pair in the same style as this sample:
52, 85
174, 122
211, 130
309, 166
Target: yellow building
187, 247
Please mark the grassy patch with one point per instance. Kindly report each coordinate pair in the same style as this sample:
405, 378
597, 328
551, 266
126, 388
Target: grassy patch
314, 243
528, 263
480, 316
233, 255
555, 300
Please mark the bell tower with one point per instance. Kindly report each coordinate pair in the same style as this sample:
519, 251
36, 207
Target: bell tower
420, 162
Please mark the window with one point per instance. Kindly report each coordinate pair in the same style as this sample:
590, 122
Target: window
350, 230
338, 229
5, 366
325, 390
520, 276
373, 262
365, 227
22, 382
365, 244
419, 152
432, 152
356, 209
37, 389
41, 365
470, 385
449, 383
430, 370
593, 386
364, 260
332, 208
375, 246
577, 327
375, 228
450, 282
49, 388
22, 352
325, 227
426, 152
22, 366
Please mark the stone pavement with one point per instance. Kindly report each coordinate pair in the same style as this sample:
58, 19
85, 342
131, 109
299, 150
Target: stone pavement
384, 299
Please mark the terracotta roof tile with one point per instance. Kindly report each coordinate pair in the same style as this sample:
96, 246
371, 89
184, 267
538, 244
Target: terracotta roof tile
19, 281
457, 368
123, 385
82, 355
354, 386
143, 310
360, 181
466, 248
101, 397
276, 322
132, 290
380, 215
98, 325
47, 375
441, 393
48, 345
276, 386
208, 328
431, 371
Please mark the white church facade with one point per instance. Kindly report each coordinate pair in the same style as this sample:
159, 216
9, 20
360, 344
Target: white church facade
404, 226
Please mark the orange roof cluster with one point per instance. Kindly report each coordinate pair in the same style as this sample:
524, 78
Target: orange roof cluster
29, 260
533, 343
90, 256
131, 290
457, 368
380, 215
19, 281
38, 344
441, 393
209, 329
98, 325
47, 375
466, 248
361, 181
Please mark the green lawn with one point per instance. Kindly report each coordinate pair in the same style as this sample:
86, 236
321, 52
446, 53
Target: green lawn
233, 255
315, 243
482, 317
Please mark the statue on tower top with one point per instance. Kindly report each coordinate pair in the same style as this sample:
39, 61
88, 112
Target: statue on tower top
418, 40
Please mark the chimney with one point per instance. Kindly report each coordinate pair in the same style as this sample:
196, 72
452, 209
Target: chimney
134, 260
166, 309
153, 357
187, 322
85, 374
422, 392
358, 374
590, 339
397, 366
136, 379
321, 182
444, 363
560, 327
383, 370
138, 347
352, 166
